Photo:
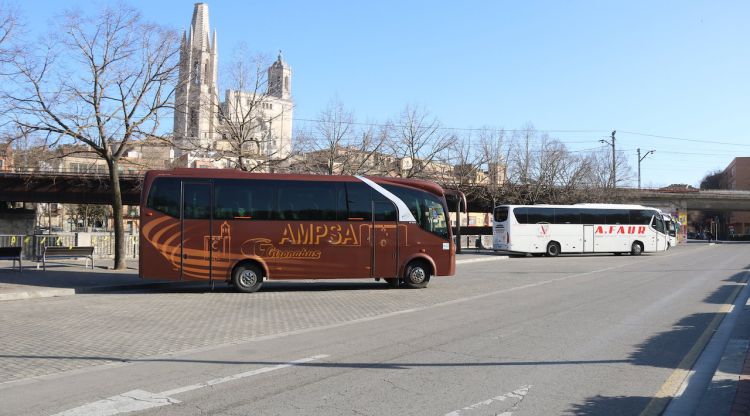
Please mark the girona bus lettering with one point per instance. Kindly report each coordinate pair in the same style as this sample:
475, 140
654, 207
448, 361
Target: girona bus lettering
620, 229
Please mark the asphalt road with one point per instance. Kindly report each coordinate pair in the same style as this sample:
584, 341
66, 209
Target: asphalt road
586, 335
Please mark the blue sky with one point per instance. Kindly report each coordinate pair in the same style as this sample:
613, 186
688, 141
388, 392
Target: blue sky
578, 68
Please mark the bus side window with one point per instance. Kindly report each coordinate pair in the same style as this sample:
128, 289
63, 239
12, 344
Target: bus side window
593, 216
384, 210
243, 199
359, 201
617, 217
640, 216
165, 196
307, 201
521, 215
541, 215
197, 201
567, 216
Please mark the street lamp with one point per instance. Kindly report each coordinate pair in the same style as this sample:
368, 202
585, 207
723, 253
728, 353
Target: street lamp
614, 159
639, 163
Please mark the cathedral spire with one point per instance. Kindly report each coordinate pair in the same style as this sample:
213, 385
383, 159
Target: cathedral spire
199, 26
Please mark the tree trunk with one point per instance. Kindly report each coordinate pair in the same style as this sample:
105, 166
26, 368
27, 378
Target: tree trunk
114, 177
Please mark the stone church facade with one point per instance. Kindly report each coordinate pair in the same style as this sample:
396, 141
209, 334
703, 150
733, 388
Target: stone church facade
205, 128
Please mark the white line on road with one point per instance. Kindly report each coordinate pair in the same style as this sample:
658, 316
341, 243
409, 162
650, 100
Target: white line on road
482, 259
517, 394
137, 400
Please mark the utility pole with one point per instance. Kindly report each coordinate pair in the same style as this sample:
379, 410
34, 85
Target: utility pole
639, 163
614, 158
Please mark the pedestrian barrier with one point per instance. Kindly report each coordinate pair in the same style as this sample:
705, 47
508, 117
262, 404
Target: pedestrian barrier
32, 246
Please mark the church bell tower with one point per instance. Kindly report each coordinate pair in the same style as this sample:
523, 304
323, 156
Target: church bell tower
196, 97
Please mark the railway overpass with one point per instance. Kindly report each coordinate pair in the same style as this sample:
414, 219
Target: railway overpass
77, 188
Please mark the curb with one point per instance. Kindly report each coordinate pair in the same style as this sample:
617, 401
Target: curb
50, 293
34, 294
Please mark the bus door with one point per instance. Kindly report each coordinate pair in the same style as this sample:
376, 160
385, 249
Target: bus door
384, 239
588, 238
197, 240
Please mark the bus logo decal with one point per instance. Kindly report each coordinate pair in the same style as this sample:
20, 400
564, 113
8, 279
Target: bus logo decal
620, 229
312, 234
263, 247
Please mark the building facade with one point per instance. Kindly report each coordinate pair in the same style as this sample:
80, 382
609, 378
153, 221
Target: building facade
212, 133
736, 176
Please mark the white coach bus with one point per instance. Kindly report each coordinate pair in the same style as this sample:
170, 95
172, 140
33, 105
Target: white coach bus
671, 225
583, 228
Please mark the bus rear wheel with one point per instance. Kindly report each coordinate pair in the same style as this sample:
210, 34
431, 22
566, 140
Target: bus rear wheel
553, 249
636, 249
247, 278
417, 275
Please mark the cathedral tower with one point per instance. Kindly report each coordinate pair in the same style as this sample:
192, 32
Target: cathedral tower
196, 98
280, 79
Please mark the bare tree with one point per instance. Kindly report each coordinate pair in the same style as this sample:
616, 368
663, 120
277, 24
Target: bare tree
337, 146
417, 140
712, 180
100, 81
8, 30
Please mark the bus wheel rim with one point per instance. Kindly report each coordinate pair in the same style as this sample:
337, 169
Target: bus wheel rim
417, 275
248, 278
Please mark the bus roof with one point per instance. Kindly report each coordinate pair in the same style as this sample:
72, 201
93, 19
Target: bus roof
428, 186
584, 205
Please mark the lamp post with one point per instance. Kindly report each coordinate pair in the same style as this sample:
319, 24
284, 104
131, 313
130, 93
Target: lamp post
614, 159
639, 163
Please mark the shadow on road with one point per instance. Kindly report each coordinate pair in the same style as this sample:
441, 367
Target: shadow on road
666, 349
613, 406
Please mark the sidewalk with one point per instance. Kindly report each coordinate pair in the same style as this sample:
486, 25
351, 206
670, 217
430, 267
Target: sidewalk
728, 392
67, 277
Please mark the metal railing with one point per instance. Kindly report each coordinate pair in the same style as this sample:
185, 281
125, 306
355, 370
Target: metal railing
104, 243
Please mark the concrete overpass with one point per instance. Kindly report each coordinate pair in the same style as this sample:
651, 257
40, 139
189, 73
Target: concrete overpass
76, 188
714, 200
67, 188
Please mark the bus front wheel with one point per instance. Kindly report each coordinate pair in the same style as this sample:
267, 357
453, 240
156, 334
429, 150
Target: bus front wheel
247, 278
417, 275
553, 249
636, 249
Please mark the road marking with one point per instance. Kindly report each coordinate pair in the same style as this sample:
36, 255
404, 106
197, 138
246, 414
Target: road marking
517, 394
677, 382
480, 260
137, 400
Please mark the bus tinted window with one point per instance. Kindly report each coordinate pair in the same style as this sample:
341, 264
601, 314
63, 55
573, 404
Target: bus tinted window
306, 201
617, 216
197, 201
641, 216
501, 214
541, 215
384, 210
567, 216
241, 199
521, 215
358, 201
593, 216
165, 196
